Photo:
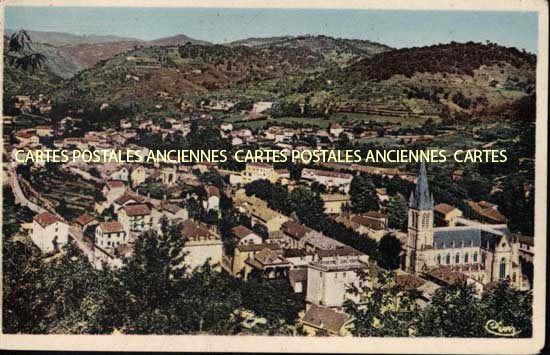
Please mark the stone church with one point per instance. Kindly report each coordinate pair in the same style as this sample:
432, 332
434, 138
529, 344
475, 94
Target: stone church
484, 253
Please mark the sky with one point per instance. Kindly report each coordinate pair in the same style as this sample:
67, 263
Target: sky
396, 28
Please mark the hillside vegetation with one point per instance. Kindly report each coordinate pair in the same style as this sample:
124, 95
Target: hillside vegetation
453, 58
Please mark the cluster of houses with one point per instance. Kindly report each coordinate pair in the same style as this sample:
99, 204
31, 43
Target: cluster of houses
27, 103
440, 247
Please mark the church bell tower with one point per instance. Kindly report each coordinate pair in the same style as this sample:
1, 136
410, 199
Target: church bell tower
420, 224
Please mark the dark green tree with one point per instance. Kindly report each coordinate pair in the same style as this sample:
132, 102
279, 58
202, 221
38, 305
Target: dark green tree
397, 212
20, 54
454, 311
386, 309
363, 195
509, 307
390, 251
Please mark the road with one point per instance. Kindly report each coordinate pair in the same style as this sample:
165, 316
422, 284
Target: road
83, 243
19, 195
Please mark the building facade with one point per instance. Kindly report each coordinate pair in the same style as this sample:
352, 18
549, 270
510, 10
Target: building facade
49, 232
483, 252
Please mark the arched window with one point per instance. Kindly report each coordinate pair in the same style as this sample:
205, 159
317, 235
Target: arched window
438, 259
425, 220
466, 258
457, 258
414, 220
483, 259
448, 259
475, 257
502, 271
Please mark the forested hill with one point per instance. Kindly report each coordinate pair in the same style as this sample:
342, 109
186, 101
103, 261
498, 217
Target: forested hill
338, 50
453, 58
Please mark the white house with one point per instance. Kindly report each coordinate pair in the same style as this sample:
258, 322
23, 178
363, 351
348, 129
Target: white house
135, 218
257, 171
213, 198
336, 129
329, 278
202, 244
109, 235
44, 131
138, 175
261, 106
244, 235
329, 178
49, 232
26, 138
127, 199
226, 126
113, 190
236, 141
86, 221
119, 174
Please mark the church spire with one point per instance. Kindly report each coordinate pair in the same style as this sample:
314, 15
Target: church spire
421, 199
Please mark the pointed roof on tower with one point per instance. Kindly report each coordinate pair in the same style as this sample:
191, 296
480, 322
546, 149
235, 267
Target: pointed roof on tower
421, 199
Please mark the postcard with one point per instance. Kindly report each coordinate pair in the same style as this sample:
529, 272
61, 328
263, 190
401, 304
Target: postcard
289, 176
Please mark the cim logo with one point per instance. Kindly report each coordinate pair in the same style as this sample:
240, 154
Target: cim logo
496, 328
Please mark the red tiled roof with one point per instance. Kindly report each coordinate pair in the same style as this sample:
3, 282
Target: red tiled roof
46, 218
326, 318
257, 247
295, 230
486, 204
137, 210
268, 256
115, 184
444, 208
447, 275
375, 214
84, 219
408, 281
487, 212
368, 222
25, 135
192, 230
111, 227
129, 197
241, 231
212, 191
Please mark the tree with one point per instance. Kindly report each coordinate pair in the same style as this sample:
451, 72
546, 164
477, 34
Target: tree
261, 188
510, 307
390, 252
397, 212
151, 277
454, 311
308, 206
272, 299
386, 308
363, 195
19, 52
22, 274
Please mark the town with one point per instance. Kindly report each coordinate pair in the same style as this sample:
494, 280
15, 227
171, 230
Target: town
104, 208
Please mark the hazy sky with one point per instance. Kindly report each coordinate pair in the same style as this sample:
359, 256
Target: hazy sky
395, 28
